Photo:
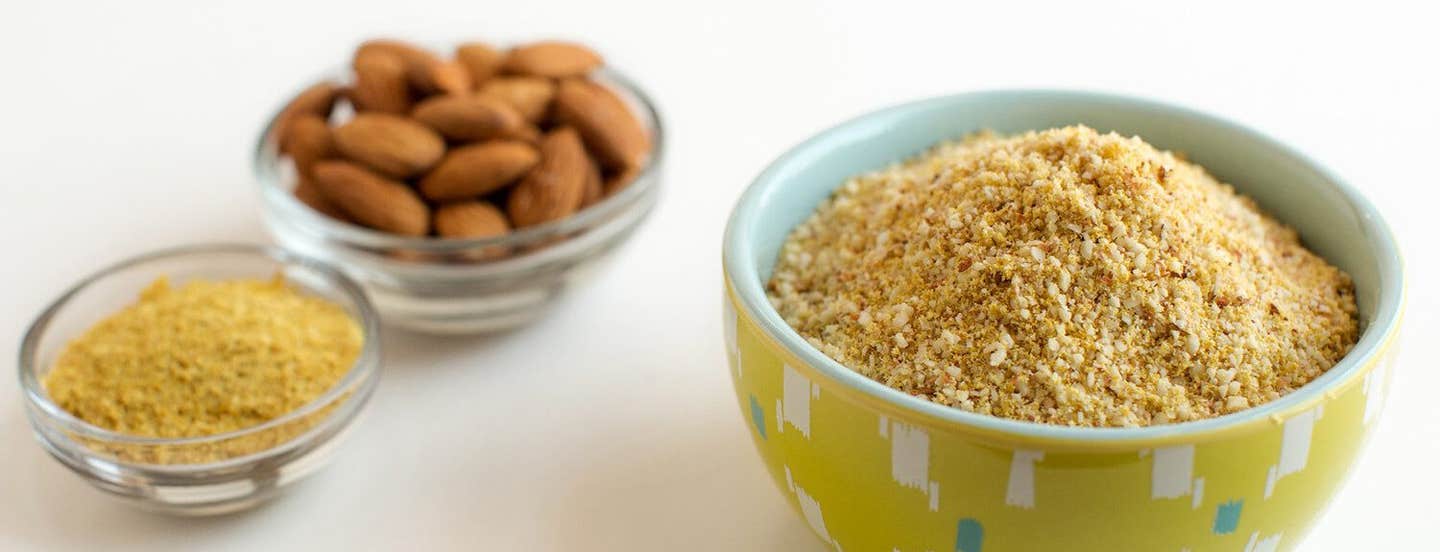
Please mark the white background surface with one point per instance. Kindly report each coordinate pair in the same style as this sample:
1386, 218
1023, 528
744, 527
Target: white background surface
611, 425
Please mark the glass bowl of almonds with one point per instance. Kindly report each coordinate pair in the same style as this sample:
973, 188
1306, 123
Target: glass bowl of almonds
464, 188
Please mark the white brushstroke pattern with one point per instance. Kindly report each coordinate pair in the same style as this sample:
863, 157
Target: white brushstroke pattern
797, 400
779, 416
909, 455
910, 458
1295, 443
1171, 471
1270, 481
1269, 544
810, 508
1020, 491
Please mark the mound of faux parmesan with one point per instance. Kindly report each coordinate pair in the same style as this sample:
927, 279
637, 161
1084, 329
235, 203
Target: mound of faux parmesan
1064, 277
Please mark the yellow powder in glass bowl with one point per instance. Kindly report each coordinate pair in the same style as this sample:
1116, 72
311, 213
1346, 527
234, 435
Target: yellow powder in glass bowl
1064, 277
205, 358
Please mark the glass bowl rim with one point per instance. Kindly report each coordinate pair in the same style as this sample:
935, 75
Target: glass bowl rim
365, 365
607, 207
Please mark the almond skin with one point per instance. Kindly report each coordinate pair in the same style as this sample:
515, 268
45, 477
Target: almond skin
371, 199
620, 180
450, 77
391, 145
530, 96
468, 117
552, 59
554, 188
476, 170
610, 130
480, 60
318, 100
418, 61
470, 219
594, 184
307, 140
308, 193
528, 133
380, 83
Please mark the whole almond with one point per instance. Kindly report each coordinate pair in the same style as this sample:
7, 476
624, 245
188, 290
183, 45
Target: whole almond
620, 180
318, 100
530, 96
450, 77
479, 169
308, 193
470, 219
380, 83
418, 61
371, 199
468, 117
554, 188
480, 60
528, 133
594, 184
391, 145
552, 59
307, 140
610, 129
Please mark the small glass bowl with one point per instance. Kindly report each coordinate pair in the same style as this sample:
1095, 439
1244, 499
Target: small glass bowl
199, 475
458, 286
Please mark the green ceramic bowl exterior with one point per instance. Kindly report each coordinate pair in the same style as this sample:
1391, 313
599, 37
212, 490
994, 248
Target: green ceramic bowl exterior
871, 468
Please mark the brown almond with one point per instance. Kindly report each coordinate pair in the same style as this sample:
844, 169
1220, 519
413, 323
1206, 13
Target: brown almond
450, 77
371, 199
554, 188
479, 169
318, 100
608, 126
530, 96
380, 83
620, 180
470, 219
308, 193
418, 61
528, 133
552, 59
480, 60
594, 184
307, 140
391, 145
468, 117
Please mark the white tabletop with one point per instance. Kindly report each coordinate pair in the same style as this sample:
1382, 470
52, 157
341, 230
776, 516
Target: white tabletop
127, 127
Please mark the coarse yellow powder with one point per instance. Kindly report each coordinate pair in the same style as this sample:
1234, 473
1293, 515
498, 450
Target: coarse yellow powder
1064, 277
205, 358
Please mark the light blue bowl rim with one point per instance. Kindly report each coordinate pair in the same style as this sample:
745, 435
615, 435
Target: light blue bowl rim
740, 267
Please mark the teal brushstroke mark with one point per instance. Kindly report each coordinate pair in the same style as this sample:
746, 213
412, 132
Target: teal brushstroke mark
969, 536
757, 415
1227, 517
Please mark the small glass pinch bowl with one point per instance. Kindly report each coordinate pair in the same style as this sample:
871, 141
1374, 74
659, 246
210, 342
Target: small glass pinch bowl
198, 475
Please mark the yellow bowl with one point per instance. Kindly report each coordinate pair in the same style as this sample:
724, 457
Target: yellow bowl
871, 468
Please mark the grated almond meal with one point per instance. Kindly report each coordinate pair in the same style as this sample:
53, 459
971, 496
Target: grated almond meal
1064, 277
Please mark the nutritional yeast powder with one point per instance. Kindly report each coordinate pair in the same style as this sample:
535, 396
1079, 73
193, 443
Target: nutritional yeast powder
205, 358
